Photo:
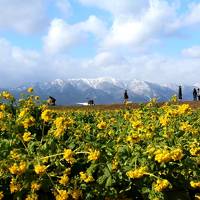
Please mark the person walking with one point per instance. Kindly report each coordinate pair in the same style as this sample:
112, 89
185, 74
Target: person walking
198, 94
125, 96
194, 94
180, 95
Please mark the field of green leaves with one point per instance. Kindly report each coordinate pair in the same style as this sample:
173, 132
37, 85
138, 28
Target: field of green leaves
152, 152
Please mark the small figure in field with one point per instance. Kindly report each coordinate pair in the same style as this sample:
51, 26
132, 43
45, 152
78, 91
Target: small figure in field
91, 102
180, 96
198, 94
51, 101
125, 97
194, 94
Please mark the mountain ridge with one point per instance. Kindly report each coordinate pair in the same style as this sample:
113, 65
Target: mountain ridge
103, 90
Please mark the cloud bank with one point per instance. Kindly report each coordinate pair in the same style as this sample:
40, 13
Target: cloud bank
129, 44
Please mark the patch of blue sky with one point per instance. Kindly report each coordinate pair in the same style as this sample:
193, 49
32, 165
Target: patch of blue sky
173, 46
33, 42
79, 13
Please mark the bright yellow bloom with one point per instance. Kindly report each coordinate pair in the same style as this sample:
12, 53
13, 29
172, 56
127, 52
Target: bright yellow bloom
2, 107
40, 169
162, 156
185, 126
18, 169
35, 186
68, 156
27, 136
184, 108
59, 132
136, 124
46, 115
134, 138
14, 187
23, 112
164, 120
64, 180
30, 90
137, 173
101, 125
93, 155
195, 151
161, 184
6, 95
195, 184
28, 122
1, 115
1, 195
61, 195
85, 177
176, 154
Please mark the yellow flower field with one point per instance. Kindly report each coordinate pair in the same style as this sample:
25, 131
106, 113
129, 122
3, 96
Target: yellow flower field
120, 154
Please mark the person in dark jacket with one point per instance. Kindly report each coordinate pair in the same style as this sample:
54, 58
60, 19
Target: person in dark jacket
125, 96
194, 94
180, 95
198, 94
51, 101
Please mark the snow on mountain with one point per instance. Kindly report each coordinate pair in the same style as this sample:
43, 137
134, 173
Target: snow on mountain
103, 90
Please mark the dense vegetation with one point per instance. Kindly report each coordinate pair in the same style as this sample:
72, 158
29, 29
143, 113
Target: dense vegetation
144, 153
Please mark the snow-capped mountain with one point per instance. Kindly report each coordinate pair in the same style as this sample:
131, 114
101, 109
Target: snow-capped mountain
103, 90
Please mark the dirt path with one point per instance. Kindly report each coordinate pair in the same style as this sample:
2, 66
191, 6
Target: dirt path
193, 104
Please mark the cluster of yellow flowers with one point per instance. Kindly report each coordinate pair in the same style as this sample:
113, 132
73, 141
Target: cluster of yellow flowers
165, 155
46, 115
102, 125
69, 156
35, 186
195, 184
14, 186
18, 169
195, 148
64, 180
85, 177
93, 155
61, 195
137, 173
62, 123
40, 169
79, 154
27, 136
6, 95
161, 184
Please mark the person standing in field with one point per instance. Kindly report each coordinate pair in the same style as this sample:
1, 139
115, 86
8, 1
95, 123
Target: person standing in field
180, 95
51, 101
198, 94
125, 96
194, 94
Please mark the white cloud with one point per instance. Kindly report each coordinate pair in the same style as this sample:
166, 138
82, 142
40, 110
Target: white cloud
133, 31
193, 52
19, 65
61, 35
22, 16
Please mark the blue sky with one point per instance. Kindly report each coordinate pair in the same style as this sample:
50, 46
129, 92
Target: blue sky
153, 40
